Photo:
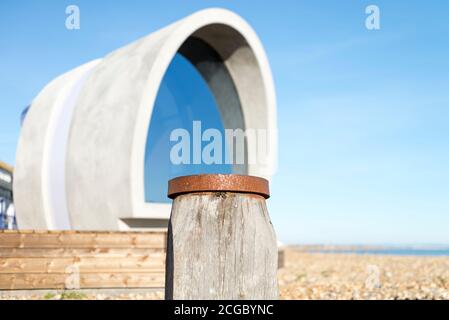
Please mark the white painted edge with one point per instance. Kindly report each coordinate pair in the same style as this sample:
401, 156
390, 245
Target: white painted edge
55, 149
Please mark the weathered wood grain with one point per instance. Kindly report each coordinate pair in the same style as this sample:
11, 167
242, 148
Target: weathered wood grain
221, 246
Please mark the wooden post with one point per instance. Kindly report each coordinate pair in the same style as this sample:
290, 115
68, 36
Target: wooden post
221, 243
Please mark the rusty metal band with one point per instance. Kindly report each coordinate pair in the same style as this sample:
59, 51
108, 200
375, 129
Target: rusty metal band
218, 183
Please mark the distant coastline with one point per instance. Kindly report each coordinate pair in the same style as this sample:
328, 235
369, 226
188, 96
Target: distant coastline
416, 250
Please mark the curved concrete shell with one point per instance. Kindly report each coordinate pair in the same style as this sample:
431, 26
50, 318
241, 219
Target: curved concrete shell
83, 139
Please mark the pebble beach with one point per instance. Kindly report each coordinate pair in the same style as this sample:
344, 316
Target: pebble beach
362, 276
322, 276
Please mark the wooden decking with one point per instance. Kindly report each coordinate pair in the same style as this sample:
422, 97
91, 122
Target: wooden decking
81, 259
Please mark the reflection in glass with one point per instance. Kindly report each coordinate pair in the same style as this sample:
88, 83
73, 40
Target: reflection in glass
183, 97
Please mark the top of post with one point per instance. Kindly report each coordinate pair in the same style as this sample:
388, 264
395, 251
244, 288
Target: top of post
218, 183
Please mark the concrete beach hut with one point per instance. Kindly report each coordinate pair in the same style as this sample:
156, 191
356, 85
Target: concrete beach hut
80, 157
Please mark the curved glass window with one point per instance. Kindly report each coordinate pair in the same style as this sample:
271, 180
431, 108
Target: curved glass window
183, 97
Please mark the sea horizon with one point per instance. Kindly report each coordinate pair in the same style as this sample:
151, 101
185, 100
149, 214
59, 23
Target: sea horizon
399, 250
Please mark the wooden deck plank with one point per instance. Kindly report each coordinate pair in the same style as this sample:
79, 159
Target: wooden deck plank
59, 281
82, 240
86, 252
83, 264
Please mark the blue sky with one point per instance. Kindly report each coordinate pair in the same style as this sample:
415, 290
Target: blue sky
363, 115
